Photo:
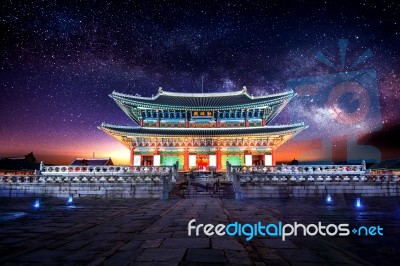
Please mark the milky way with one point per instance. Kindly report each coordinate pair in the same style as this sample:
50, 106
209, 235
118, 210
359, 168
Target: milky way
61, 59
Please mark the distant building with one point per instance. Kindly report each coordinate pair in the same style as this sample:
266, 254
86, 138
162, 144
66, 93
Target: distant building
27, 162
92, 161
387, 166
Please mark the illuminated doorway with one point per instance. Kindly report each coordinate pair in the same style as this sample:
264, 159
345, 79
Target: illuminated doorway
147, 160
202, 162
258, 160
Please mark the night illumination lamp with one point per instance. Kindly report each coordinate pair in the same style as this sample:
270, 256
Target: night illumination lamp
328, 199
36, 204
70, 200
358, 203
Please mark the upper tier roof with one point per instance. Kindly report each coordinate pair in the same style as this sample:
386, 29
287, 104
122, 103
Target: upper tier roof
191, 101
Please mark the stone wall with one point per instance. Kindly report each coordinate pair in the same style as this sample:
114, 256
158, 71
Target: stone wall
318, 189
155, 189
80, 190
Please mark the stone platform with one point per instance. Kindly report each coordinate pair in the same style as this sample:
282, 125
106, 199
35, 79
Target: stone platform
154, 232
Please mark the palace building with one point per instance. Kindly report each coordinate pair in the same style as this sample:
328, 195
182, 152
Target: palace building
202, 131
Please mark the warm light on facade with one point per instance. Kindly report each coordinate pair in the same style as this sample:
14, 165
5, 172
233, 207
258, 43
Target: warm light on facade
202, 130
248, 160
157, 160
268, 160
136, 160
192, 160
213, 160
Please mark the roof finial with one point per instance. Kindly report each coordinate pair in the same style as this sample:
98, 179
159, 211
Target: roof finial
202, 84
244, 89
160, 90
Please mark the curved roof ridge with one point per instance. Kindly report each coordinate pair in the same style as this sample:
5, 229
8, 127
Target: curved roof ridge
133, 96
104, 124
183, 94
273, 95
161, 92
207, 94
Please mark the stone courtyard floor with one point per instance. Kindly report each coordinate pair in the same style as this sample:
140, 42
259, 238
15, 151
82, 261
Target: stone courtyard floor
154, 232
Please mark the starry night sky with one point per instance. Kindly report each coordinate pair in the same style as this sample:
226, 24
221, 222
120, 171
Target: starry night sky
61, 59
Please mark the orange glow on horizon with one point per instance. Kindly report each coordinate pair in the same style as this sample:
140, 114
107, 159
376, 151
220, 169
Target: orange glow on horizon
299, 150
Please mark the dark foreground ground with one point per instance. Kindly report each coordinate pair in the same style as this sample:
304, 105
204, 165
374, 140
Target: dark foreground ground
154, 232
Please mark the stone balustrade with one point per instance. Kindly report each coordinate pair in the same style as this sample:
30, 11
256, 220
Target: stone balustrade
300, 169
143, 184
253, 175
102, 170
244, 178
309, 181
261, 178
132, 178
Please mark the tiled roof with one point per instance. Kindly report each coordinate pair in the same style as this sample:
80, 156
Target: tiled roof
387, 164
91, 161
201, 100
208, 132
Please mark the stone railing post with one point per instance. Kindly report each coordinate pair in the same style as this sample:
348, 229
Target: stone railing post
166, 185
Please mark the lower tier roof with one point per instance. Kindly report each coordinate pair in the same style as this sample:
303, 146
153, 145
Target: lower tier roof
203, 132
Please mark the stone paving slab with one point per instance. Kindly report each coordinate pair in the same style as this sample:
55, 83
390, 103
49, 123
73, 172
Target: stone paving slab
227, 244
205, 255
278, 244
154, 232
187, 242
162, 254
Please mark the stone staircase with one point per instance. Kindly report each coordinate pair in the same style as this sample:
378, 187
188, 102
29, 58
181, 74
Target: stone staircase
202, 188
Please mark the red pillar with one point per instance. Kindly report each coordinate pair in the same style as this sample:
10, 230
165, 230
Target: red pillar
132, 156
186, 159
219, 158
273, 157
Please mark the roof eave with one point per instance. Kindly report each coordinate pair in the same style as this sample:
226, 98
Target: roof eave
135, 103
112, 129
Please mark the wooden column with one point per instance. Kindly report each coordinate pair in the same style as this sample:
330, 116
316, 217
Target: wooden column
273, 157
263, 123
264, 118
186, 159
158, 119
219, 158
246, 121
132, 156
